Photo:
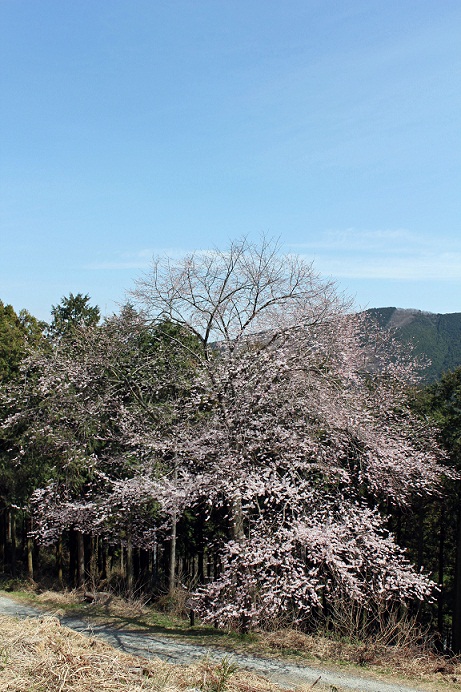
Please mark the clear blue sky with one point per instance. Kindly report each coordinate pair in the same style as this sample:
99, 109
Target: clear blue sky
134, 127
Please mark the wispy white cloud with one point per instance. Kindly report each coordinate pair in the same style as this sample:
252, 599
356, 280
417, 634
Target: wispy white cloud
140, 259
384, 254
361, 240
445, 266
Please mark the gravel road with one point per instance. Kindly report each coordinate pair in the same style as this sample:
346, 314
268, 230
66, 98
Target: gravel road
288, 675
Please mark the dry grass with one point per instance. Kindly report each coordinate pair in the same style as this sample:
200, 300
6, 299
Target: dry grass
407, 661
412, 662
118, 606
39, 654
59, 597
174, 603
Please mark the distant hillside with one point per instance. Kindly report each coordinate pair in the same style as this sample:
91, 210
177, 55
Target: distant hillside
436, 336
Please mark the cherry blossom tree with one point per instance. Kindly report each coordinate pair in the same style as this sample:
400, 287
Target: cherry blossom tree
298, 425
244, 389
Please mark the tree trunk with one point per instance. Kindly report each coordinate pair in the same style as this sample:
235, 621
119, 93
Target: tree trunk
155, 558
201, 556
72, 580
122, 560
441, 571
420, 534
80, 559
172, 570
2, 539
136, 565
30, 552
129, 567
59, 559
172, 566
11, 541
93, 561
237, 534
143, 566
103, 559
456, 645
88, 552
236, 518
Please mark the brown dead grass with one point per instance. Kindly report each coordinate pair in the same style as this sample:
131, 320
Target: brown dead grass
59, 597
39, 654
410, 662
118, 606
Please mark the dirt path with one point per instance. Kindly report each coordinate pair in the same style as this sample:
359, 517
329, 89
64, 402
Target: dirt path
287, 675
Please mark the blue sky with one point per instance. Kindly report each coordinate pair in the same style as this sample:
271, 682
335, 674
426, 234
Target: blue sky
135, 127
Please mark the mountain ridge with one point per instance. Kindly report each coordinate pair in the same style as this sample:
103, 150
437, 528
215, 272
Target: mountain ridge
434, 335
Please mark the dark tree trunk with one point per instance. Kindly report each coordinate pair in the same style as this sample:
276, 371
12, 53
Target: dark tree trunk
174, 521
145, 565
122, 561
2, 539
236, 518
59, 560
103, 559
201, 553
136, 565
80, 559
172, 562
420, 534
30, 551
73, 580
11, 541
441, 570
155, 558
88, 556
129, 567
456, 633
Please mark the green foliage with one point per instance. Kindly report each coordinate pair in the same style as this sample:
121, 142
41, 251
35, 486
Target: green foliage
433, 336
429, 528
18, 335
71, 313
17, 332
11, 341
441, 402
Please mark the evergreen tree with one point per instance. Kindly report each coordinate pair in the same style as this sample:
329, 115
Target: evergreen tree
71, 313
17, 333
442, 402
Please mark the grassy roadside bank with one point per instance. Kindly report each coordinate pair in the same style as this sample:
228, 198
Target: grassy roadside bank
408, 666
40, 654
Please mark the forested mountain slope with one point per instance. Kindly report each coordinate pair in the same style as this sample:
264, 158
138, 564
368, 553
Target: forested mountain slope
435, 335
